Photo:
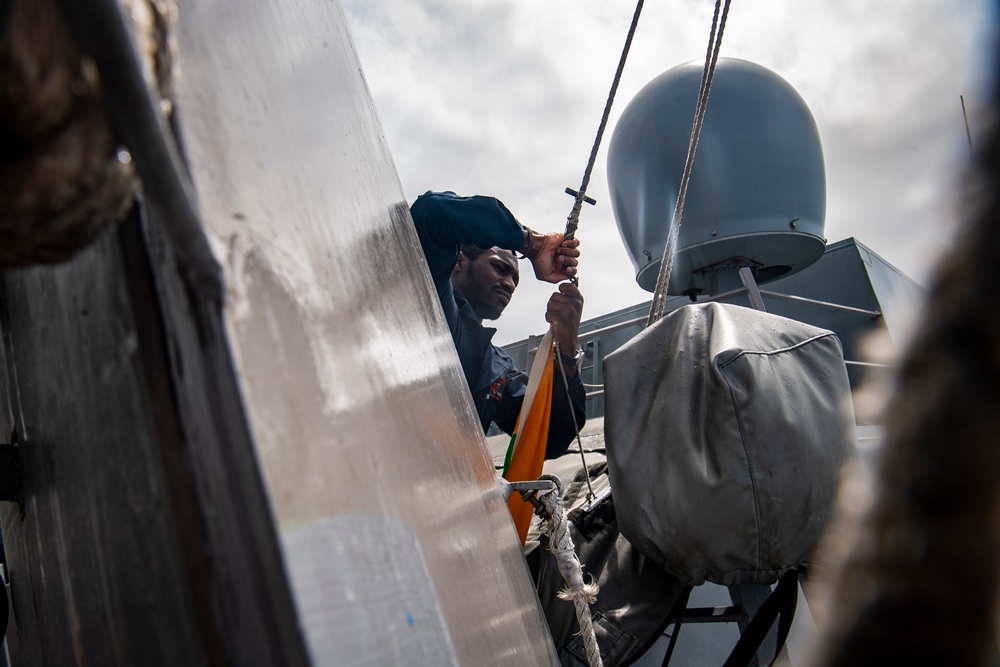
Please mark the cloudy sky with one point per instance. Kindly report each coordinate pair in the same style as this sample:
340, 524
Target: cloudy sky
503, 97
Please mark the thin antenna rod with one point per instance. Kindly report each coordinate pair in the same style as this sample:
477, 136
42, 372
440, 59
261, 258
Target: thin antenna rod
968, 132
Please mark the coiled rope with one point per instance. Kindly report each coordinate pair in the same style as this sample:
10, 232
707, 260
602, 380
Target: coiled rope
580, 593
667, 262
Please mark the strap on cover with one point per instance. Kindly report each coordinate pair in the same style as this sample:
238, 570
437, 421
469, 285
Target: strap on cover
676, 615
780, 605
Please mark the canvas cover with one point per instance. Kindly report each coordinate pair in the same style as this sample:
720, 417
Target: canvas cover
726, 431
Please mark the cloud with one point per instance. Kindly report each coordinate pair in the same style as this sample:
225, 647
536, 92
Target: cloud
504, 97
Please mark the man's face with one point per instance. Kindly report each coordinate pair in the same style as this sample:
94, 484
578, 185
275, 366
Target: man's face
486, 282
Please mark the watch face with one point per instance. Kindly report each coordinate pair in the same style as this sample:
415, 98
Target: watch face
578, 354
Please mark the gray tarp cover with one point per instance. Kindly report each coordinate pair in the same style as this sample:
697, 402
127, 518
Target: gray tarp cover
726, 431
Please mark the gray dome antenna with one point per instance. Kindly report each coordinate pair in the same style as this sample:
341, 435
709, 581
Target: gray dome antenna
757, 194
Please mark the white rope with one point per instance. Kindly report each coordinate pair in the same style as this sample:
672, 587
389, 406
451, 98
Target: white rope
667, 261
581, 594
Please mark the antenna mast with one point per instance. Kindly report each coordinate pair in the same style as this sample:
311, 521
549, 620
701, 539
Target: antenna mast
968, 132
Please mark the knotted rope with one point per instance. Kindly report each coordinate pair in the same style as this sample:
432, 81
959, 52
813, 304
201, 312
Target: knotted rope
667, 262
581, 594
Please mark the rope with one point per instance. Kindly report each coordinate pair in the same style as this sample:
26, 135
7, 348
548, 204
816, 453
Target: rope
560, 542
581, 594
667, 262
573, 220
572, 411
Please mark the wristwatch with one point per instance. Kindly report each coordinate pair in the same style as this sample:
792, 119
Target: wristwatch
570, 361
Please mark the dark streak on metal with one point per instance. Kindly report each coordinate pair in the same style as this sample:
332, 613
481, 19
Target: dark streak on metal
184, 503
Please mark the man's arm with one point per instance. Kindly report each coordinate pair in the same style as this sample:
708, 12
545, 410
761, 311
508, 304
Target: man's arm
563, 313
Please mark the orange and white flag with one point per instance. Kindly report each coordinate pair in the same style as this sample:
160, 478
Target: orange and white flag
526, 452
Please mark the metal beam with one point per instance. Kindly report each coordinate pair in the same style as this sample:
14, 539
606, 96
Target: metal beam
746, 275
822, 304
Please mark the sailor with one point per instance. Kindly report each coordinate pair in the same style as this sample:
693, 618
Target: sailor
469, 244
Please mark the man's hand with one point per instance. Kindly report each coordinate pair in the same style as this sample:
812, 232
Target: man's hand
563, 312
553, 258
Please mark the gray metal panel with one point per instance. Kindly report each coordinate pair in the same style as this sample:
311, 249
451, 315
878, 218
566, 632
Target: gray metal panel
838, 277
899, 298
349, 377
